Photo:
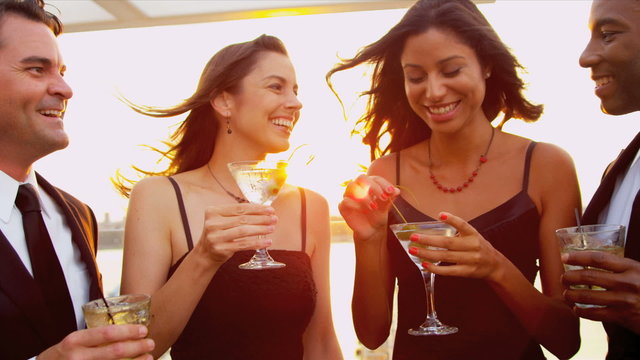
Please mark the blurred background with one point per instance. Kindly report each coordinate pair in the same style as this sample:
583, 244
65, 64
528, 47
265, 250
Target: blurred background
152, 52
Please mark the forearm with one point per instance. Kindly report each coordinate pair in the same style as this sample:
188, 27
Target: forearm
372, 292
549, 320
173, 304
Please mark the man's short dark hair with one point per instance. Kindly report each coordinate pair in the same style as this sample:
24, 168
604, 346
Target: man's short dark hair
32, 10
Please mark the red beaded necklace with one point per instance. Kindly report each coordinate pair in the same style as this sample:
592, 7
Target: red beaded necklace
483, 159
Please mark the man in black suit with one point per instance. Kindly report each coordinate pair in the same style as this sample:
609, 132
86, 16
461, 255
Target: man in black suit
33, 99
613, 55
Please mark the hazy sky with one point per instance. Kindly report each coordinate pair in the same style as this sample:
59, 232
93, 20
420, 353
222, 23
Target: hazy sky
161, 66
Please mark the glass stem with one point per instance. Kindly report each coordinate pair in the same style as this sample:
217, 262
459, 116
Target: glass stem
261, 253
429, 281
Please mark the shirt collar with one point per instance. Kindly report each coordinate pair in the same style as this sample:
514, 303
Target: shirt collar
9, 191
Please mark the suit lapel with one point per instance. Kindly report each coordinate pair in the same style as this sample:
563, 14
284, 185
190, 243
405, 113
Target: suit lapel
603, 194
18, 285
632, 246
80, 235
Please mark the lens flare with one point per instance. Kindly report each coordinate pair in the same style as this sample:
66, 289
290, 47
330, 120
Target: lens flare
358, 191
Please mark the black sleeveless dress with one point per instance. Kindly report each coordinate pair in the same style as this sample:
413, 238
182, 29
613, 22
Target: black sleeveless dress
487, 328
250, 314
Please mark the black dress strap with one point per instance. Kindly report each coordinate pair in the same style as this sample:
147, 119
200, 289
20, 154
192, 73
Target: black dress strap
303, 218
183, 212
527, 165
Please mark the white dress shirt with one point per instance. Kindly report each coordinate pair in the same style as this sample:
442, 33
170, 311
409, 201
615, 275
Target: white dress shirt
618, 211
75, 270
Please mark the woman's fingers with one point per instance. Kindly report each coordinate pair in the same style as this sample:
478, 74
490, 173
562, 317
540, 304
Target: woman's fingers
371, 189
238, 210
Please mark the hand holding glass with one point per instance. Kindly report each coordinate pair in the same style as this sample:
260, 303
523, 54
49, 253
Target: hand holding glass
600, 237
431, 326
260, 182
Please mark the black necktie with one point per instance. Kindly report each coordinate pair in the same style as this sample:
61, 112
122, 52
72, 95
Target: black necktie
47, 271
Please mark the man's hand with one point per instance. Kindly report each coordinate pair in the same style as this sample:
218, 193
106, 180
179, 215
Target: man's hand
621, 278
103, 343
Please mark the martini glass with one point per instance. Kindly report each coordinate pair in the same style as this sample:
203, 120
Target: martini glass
259, 181
431, 326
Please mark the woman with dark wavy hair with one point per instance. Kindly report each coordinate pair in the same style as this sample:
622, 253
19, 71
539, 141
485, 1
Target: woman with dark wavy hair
188, 227
440, 78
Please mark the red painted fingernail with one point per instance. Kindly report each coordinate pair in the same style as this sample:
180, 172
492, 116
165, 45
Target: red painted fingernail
384, 197
390, 189
413, 237
443, 216
426, 264
373, 205
413, 251
370, 191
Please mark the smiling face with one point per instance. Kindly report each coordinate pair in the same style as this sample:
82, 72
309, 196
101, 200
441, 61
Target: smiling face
266, 107
33, 94
613, 54
443, 80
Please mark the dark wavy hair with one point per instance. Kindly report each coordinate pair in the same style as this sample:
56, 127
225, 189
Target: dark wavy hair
388, 110
192, 144
32, 10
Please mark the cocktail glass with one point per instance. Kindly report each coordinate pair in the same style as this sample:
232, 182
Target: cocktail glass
118, 310
600, 237
403, 231
260, 182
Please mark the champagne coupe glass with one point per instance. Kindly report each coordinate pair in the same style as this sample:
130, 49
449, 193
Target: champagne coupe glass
403, 231
260, 181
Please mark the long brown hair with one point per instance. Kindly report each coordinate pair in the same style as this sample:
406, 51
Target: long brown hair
388, 110
193, 142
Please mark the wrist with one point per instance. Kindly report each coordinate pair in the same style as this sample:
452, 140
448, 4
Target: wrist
202, 261
372, 240
498, 276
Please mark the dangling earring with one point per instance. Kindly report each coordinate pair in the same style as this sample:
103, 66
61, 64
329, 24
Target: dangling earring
227, 116
487, 75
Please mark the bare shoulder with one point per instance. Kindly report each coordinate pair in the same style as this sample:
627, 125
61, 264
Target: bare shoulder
153, 195
155, 185
551, 157
385, 167
316, 202
553, 175
544, 154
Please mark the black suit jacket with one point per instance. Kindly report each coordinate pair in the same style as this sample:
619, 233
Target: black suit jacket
623, 343
26, 328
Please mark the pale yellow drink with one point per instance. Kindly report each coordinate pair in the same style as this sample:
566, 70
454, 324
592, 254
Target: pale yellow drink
601, 237
125, 309
404, 231
615, 250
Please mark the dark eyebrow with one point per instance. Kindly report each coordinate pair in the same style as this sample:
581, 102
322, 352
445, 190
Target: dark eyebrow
46, 62
607, 21
279, 78
36, 60
440, 62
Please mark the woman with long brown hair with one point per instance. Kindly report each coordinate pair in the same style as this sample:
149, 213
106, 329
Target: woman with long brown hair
189, 227
440, 77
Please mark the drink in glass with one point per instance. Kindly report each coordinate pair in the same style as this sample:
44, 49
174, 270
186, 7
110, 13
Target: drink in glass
403, 232
260, 182
600, 237
118, 310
